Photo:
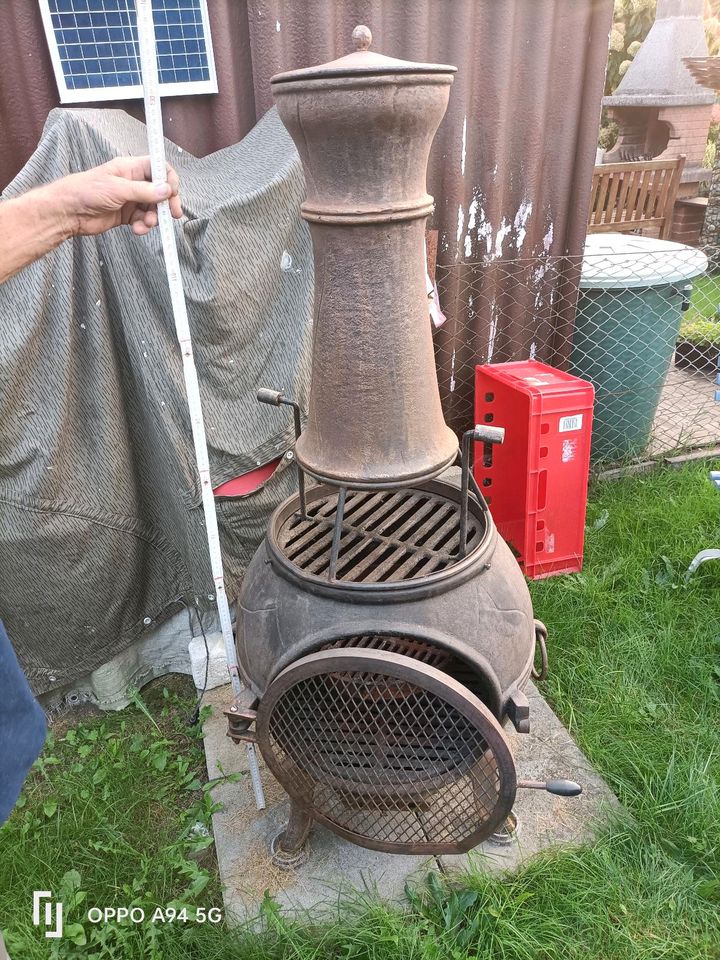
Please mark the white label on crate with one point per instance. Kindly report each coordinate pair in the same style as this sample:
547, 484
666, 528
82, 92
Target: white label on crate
570, 423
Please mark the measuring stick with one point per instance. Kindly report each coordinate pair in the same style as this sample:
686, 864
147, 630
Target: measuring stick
156, 149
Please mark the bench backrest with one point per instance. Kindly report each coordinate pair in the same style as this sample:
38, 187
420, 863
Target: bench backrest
635, 197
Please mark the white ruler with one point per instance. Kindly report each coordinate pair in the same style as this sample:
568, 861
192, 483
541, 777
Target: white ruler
156, 149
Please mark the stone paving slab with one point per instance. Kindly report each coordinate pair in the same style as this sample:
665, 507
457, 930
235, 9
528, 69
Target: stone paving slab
335, 867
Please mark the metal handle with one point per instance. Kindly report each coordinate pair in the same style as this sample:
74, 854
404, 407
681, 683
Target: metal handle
559, 788
273, 397
484, 434
277, 398
487, 434
540, 641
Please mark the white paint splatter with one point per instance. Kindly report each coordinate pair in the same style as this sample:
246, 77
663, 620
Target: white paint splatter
472, 214
464, 145
286, 261
472, 219
485, 230
533, 350
520, 222
548, 239
494, 171
452, 373
461, 222
504, 230
277, 26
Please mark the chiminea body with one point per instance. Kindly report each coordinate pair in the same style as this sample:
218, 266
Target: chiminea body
363, 126
384, 630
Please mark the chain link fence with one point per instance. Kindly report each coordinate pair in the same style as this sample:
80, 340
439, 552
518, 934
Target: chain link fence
644, 328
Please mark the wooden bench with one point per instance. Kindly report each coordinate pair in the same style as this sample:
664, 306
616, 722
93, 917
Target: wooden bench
635, 197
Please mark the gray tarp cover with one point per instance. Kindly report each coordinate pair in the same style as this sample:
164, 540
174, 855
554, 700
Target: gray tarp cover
101, 524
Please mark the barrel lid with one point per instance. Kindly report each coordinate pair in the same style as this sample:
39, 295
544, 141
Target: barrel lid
614, 261
362, 62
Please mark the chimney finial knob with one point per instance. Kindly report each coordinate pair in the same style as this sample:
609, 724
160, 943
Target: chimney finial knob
362, 37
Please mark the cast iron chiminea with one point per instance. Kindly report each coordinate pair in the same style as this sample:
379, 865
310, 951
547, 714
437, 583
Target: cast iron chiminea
384, 629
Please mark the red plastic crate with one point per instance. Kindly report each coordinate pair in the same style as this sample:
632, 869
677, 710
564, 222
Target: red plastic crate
536, 481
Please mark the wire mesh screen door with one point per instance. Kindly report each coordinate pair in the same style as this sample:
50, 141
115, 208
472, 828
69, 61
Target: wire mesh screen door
643, 327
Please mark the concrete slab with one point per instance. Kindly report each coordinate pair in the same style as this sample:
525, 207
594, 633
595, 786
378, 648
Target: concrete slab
543, 820
687, 415
335, 867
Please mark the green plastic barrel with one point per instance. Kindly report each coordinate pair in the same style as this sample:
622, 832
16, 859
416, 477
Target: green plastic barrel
632, 294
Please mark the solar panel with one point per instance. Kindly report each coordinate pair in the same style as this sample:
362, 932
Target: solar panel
93, 46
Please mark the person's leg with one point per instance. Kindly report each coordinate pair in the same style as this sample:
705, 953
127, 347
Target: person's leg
3, 951
22, 728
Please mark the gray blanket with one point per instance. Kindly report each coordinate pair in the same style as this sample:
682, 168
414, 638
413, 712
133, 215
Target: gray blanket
101, 526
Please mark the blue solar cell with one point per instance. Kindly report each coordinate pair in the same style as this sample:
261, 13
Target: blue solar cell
97, 42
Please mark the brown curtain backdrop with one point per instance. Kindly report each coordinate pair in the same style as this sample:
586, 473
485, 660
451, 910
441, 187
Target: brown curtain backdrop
511, 166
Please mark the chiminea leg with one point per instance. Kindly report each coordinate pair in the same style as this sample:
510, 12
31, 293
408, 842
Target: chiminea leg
507, 832
289, 847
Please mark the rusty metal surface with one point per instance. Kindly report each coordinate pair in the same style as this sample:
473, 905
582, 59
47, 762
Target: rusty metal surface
428, 555
387, 752
364, 132
511, 165
387, 536
478, 608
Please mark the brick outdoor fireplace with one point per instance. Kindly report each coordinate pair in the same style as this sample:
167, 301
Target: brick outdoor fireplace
661, 112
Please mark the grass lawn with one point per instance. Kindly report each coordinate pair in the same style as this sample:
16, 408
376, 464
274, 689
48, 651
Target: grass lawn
705, 301
635, 674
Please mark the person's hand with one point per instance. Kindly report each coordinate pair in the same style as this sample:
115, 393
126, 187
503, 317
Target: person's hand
118, 192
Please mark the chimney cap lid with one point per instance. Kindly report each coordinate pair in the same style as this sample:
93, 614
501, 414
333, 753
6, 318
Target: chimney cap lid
362, 62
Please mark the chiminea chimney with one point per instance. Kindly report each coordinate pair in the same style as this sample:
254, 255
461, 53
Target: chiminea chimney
363, 126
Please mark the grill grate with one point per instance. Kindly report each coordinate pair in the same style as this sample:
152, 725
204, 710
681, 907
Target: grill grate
387, 536
422, 652
385, 759
417, 649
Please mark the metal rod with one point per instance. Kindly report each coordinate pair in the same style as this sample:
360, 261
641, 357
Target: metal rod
337, 533
255, 778
301, 472
464, 486
276, 398
147, 49
478, 492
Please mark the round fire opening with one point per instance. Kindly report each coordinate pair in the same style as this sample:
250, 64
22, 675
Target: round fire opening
425, 651
386, 751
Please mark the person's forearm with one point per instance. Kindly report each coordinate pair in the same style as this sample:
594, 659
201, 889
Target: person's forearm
31, 226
